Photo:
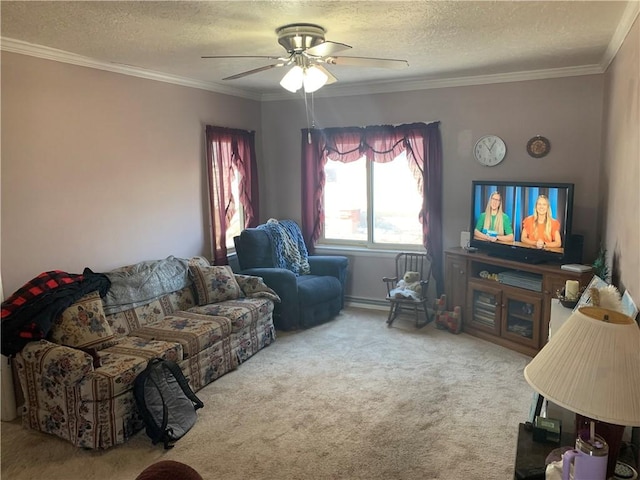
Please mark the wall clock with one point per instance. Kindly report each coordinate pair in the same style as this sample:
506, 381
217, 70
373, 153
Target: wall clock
490, 150
538, 146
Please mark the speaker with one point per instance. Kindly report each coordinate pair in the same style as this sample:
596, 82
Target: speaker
573, 249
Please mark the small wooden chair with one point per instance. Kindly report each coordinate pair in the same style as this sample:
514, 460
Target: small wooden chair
410, 262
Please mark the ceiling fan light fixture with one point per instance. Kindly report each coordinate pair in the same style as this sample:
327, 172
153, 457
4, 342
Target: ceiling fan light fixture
314, 79
311, 78
308, 51
293, 79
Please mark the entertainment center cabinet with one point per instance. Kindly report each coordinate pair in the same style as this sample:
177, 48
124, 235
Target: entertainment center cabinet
505, 301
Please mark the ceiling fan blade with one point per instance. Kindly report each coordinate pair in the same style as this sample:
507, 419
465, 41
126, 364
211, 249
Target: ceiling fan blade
255, 70
242, 56
330, 78
326, 48
367, 62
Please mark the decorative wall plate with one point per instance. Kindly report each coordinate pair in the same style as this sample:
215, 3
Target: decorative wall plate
538, 146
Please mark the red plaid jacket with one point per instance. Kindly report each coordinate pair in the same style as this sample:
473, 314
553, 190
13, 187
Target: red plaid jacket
41, 285
29, 313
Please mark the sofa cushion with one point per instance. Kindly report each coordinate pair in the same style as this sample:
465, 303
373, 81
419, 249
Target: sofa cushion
123, 323
215, 284
122, 363
193, 331
313, 289
83, 325
199, 261
243, 312
254, 287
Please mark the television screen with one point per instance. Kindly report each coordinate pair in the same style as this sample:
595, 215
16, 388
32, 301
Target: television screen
525, 221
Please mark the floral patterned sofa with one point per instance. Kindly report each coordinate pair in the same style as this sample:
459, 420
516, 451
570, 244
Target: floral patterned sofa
77, 383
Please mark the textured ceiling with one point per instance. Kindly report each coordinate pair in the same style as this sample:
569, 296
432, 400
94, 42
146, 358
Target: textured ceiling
440, 39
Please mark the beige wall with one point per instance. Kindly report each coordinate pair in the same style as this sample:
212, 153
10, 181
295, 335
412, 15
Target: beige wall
621, 165
100, 169
568, 111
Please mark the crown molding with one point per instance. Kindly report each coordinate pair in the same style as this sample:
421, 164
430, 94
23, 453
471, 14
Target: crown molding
624, 26
411, 85
47, 53
369, 88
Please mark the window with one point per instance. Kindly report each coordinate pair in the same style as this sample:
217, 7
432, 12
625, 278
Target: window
385, 214
233, 188
372, 203
233, 207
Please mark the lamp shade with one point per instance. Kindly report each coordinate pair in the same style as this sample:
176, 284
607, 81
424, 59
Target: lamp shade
591, 366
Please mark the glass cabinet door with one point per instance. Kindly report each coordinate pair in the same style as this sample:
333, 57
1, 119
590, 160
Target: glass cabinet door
521, 322
486, 307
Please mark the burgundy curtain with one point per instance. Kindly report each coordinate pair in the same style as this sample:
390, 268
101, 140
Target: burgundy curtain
381, 143
228, 149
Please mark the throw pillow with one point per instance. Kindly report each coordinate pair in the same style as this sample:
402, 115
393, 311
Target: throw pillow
83, 325
214, 284
254, 287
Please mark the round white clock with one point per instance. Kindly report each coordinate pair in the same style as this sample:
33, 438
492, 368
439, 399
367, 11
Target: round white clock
490, 150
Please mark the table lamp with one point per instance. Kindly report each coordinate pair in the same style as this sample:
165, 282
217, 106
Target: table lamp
591, 367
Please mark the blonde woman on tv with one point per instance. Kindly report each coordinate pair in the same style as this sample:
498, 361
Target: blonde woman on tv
541, 230
493, 224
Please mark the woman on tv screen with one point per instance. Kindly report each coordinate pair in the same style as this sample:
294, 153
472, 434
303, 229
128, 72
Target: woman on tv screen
541, 229
493, 224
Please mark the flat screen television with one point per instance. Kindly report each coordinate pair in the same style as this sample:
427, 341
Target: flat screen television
524, 221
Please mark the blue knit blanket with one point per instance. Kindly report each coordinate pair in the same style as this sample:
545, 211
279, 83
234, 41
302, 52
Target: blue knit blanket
289, 249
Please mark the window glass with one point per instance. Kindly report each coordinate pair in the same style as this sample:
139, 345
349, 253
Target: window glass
387, 190
345, 200
236, 224
396, 203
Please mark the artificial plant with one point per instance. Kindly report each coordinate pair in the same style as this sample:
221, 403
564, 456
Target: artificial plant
600, 267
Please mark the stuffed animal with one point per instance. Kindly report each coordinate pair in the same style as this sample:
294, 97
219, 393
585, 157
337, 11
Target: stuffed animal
408, 287
451, 321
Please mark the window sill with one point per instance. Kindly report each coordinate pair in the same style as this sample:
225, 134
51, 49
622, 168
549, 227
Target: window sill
353, 249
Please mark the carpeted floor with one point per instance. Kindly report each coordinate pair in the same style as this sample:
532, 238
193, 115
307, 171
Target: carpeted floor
350, 399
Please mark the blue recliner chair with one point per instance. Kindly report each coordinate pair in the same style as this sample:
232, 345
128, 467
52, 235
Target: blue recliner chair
307, 299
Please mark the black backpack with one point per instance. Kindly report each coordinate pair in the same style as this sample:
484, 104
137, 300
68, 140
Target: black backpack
165, 401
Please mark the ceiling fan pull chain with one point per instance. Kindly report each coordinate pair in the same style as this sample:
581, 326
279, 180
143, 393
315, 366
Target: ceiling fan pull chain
306, 109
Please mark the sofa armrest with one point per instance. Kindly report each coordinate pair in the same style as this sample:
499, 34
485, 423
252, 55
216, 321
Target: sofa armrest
332, 265
60, 364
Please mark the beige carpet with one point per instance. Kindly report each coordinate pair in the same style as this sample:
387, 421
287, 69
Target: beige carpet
350, 399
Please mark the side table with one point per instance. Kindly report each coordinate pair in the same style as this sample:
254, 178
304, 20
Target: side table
531, 456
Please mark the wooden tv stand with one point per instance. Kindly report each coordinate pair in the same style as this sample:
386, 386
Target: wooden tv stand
514, 314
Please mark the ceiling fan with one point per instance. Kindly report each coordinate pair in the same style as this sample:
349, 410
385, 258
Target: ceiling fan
308, 53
